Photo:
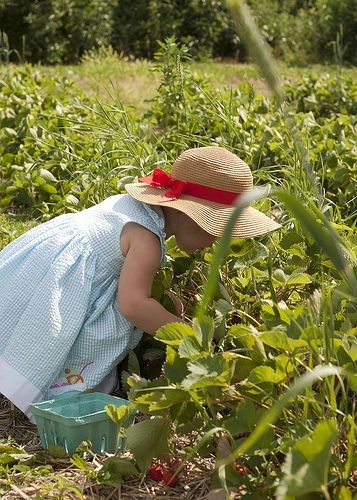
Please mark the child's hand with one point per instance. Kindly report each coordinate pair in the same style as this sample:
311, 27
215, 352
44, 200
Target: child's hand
177, 302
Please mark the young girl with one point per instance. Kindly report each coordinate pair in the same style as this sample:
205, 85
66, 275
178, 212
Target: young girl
75, 292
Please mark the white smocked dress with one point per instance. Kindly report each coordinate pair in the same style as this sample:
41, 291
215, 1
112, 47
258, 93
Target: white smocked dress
60, 324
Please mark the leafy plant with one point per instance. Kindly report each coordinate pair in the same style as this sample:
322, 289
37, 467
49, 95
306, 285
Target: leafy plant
53, 29
262, 380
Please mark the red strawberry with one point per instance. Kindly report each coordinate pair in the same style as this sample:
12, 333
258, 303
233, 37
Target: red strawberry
161, 471
170, 479
241, 469
156, 471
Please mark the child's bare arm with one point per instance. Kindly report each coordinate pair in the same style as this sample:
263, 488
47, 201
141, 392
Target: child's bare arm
142, 252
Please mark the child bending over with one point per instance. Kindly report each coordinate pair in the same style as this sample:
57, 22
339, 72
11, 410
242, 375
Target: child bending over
75, 292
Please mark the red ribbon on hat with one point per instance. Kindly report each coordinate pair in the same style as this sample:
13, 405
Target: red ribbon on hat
161, 179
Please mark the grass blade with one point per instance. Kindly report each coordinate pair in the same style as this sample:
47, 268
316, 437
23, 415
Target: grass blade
249, 33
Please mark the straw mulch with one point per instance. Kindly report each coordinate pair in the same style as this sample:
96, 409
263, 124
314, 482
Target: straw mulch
194, 483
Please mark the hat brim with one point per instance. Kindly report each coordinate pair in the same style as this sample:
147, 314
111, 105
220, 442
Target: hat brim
210, 216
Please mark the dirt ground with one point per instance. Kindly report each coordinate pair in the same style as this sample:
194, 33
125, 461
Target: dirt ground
66, 481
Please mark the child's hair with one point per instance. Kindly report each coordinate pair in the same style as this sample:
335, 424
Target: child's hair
205, 184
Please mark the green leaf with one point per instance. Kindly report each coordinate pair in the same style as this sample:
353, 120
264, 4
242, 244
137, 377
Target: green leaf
133, 363
165, 277
343, 493
81, 464
256, 253
162, 398
278, 339
175, 368
207, 372
275, 374
246, 416
38, 180
264, 374
71, 199
12, 454
137, 382
6, 448
298, 279
352, 381
249, 338
10, 132
297, 250
275, 314
353, 350
167, 302
57, 451
181, 265
48, 188
47, 175
204, 329
6, 201
174, 333
149, 439
113, 470
279, 276
242, 367
306, 466
291, 238
157, 289
119, 414
189, 348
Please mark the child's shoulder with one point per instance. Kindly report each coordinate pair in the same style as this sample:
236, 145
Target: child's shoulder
125, 205
121, 203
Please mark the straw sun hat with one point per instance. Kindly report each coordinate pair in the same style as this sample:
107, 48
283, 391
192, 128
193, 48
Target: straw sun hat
205, 183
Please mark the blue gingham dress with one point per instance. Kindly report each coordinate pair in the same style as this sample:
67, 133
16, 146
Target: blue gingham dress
60, 324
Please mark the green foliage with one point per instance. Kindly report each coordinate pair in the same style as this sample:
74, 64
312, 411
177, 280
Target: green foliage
305, 31
204, 381
56, 31
149, 439
13, 28
15, 462
307, 464
28, 103
11, 226
53, 34
266, 371
119, 415
49, 161
187, 108
337, 20
11, 454
203, 25
114, 470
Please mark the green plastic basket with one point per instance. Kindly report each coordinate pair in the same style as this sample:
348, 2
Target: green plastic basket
78, 417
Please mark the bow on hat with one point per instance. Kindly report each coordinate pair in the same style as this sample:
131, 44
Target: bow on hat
161, 179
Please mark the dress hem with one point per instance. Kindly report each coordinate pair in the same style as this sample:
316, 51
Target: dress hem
18, 389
